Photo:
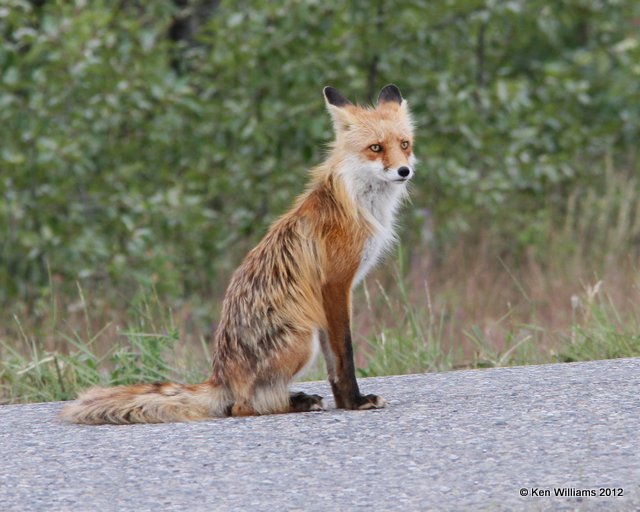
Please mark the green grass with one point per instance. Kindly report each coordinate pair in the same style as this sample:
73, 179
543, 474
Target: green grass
145, 352
605, 334
410, 334
414, 344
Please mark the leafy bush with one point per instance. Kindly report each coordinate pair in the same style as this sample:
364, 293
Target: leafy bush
129, 156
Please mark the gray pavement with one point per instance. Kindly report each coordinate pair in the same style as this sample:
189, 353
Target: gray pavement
466, 440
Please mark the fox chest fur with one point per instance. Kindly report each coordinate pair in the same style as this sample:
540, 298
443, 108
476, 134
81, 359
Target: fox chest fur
378, 203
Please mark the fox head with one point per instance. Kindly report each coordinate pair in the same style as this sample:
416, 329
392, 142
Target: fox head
373, 144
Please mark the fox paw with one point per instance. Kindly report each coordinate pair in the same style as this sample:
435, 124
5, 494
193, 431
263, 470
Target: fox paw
301, 402
371, 402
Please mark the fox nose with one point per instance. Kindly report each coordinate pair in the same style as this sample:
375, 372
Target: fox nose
404, 172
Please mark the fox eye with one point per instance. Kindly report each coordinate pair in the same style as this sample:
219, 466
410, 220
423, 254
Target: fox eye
376, 148
404, 144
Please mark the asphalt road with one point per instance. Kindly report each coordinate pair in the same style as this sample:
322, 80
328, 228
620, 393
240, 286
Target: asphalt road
466, 440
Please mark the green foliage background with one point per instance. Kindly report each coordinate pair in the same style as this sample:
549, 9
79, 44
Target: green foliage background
128, 156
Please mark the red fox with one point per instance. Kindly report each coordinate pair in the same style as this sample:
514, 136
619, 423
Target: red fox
292, 294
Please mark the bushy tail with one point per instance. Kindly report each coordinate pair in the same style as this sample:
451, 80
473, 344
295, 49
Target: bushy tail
148, 403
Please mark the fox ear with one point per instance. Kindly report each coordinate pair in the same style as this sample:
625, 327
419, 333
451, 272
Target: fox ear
336, 104
390, 94
333, 97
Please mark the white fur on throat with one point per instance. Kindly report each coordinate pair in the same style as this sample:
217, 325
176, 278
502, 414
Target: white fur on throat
378, 198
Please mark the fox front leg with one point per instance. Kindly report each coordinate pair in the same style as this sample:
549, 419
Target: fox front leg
337, 347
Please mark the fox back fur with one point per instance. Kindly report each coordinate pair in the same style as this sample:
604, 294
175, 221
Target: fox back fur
291, 296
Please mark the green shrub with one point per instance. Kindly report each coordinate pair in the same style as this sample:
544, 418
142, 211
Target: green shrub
119, 164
